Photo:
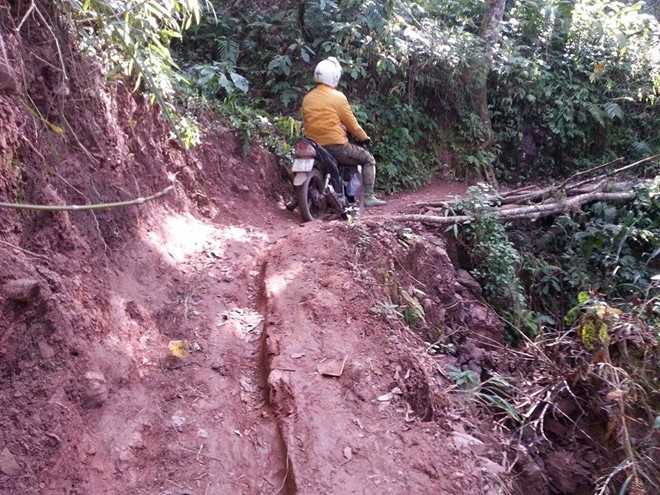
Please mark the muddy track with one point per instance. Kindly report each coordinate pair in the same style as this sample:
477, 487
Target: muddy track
261, 304
202, 424
288, 486
340, 434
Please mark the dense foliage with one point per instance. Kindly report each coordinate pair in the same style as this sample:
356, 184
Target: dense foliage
576, 81
583, 290
533, 276
494, 260
570, 83
610, 250
132, 39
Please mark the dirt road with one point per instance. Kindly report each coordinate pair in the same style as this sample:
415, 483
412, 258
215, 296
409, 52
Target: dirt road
259, 310
261, 305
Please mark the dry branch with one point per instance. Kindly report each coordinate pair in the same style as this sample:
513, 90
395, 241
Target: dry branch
23, 250
588, 171
531, 194
518, 191
618, 170
575, 187
531, 212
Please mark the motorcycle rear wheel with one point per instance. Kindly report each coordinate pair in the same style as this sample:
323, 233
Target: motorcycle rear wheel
311, 197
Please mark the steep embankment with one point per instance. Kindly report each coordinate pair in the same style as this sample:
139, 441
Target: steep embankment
93, 399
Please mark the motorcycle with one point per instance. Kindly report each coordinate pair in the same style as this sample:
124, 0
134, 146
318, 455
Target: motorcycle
322, 185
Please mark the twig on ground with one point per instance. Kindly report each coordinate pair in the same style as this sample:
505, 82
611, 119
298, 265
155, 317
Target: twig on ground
23, 250
27, 14
198, 454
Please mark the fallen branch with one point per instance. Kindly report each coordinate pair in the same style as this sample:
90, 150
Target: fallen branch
532, 212
573, 190
567, 186
618, 170
519, 190
98, 206
588, 171
530, 194
23, 250
600, 187
575, 202
429, 204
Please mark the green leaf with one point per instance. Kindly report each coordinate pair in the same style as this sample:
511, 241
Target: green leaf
225, 83
613, 110
240, 82
582, 297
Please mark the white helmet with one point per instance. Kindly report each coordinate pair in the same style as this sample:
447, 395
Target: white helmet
328, 72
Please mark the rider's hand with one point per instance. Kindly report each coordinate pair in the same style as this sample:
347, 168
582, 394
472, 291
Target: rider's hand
365, 144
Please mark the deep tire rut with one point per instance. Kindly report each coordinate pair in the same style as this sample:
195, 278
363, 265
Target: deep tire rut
288, 486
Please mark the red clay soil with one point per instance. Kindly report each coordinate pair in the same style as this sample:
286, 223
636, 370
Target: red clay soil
94, 402
377, 427
437, 190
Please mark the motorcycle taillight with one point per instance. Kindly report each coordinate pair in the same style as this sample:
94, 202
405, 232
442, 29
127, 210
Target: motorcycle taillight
305, 150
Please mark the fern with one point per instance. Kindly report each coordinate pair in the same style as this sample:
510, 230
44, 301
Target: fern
228, 51
597, 113
641, 148
613, 110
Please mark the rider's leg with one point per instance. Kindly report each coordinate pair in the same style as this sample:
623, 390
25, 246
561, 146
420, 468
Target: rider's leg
350, 154
369, 178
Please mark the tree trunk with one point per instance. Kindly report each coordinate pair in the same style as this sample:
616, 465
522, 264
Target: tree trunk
491, 25
490, 34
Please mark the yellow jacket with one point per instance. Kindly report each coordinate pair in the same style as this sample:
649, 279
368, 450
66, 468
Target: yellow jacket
327, 117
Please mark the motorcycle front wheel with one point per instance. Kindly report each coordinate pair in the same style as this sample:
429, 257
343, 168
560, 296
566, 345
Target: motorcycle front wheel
311, 197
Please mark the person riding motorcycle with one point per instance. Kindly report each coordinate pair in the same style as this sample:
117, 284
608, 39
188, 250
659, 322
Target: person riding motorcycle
328, 118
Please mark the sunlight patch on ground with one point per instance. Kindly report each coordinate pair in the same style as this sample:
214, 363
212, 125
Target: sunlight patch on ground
240, 234
181, 236
277, 283
245, 323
